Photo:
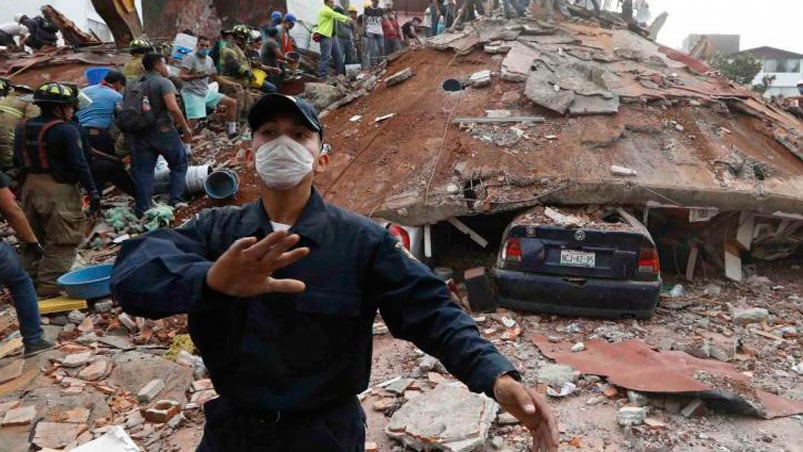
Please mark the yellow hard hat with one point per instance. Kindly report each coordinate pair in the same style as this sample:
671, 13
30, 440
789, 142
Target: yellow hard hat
352, 9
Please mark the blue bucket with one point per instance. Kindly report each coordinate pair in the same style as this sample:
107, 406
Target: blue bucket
88, 282
96, 74
222, 184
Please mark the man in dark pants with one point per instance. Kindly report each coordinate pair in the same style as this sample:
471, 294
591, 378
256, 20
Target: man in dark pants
161, 139
49, 151
285, 330
97, 118
13, 276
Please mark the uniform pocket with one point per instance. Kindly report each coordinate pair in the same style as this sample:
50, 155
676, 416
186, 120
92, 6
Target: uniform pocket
65, 228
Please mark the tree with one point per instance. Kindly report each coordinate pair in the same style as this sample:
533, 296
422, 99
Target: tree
741, 68
765, 84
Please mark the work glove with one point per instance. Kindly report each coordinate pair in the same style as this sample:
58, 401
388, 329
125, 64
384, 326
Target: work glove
33, 249
94, 205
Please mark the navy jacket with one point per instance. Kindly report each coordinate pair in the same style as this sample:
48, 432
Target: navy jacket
302, 352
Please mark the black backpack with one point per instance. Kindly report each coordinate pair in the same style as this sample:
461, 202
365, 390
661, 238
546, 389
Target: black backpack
135, 114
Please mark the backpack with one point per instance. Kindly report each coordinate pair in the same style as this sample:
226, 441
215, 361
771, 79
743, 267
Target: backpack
135, 114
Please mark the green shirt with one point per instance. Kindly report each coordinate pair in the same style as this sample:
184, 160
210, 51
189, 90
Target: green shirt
326, 21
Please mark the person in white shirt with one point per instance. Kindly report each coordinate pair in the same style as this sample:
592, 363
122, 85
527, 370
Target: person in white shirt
9, 33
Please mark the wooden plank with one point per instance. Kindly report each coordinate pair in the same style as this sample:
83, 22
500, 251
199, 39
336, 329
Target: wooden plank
691, 262
60, 304
468, 231
484, 120
733, 262
747, 226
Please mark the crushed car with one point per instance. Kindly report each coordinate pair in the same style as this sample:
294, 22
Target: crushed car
589, 261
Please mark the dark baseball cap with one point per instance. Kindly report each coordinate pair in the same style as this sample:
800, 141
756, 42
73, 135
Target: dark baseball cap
270, 105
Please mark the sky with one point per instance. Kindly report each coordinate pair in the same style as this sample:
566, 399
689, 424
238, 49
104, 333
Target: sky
774, 23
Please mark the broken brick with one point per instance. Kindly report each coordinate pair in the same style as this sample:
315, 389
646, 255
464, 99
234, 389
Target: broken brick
76, 359
95, 371
151, 390
11, 371
610, 392
162, 411
19, 416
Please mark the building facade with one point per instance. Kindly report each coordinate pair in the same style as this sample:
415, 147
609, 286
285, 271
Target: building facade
785, 66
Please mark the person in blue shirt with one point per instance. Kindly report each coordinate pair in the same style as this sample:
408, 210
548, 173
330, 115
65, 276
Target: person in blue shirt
282, 294
97, 119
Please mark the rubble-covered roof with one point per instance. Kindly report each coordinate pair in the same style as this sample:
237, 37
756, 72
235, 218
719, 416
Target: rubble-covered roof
608, 98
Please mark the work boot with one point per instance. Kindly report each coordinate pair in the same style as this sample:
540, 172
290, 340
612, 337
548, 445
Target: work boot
37, 347
47, 291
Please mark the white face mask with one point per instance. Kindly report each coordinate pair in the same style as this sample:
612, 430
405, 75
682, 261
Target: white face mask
283, 162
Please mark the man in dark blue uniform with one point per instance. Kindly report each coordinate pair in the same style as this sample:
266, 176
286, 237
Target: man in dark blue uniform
282, 294
49, 151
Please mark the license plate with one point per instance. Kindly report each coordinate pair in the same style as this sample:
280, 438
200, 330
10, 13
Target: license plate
572, 258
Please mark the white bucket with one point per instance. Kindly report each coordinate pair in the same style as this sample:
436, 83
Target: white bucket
195, 179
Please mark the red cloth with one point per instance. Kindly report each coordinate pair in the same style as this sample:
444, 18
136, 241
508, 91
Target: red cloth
390, 28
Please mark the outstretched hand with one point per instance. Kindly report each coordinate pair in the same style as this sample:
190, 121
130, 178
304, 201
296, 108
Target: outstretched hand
531, 409
245, 269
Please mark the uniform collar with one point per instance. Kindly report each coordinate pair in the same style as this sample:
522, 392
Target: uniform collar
311, 224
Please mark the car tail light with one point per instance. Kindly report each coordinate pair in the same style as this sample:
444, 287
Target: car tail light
401, 235
511, 253
648, 261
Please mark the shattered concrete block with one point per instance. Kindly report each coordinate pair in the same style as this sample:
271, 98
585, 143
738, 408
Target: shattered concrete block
399, 77
128, 322
557, 375
517, 63
104, 306
76, 317
544, 94
19, 416
399, 386
637, 399
56, 435
748, 316
695, 408
631, 415
151, 390
76, 359
162, 411
480, 79
201, 397
12, 370
578, 347
594, 105
448, 418
96, 370
655, 424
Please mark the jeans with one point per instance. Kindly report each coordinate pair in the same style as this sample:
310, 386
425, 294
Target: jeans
144, 152
376, 48
512, 4
347, 47
13, 276
330, 49
392, 46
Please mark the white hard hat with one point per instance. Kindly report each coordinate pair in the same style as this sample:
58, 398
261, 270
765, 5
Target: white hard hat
18, 16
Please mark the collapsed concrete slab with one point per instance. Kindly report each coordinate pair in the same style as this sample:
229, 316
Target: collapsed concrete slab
448, 418
516, 65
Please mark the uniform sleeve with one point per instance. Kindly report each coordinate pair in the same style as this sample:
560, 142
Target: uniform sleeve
73, 150
416, 306
163, 273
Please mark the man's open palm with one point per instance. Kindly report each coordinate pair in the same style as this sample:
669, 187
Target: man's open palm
245, 269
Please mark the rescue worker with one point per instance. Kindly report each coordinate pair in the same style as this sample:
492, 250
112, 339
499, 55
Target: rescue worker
162, 138
13, 34
345, 35
12, 110
133, 69
196, 70
225, 38
236, 67
41, 32
330, 47
97, 119
49, 150
286, 41
13, 276
281, 295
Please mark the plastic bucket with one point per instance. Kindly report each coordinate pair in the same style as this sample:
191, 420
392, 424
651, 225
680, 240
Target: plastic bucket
195, 179
222, 184
293, 59
259, 77
95, 74
88, 282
